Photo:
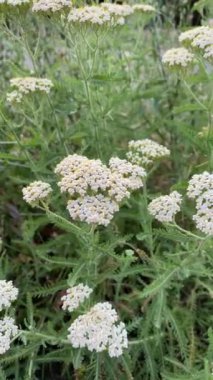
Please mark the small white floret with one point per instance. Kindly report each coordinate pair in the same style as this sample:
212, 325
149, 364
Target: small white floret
178, 57
165, 207
8, 294
75, 296
36, 191
97, 330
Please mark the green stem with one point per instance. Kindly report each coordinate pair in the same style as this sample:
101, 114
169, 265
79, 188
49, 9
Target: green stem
86, 77
60, 138
145, 340
97, 370
148, 219
185, 231
210, 139
64, 221
127, 370
50, 338
194, 96
21, 146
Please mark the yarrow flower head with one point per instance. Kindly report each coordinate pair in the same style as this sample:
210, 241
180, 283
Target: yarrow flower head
96, 190
208, 53
134, 174
98, 330
27, 85
51, 5
93, 15
95, 209
203, 40
165, 207
75, 296
118, 10
36, 191
200, 188
80, 175
188, 36
199, 38
145, 8
8, 294
204, 216
146, 151
126, 168
8, 330
15, 3
199, 183
70, 163
178, 58
106, 14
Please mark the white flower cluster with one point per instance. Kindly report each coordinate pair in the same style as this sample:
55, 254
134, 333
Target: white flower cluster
118, 10
75, 296
125, 178
146, 8
50, 5
146, 151
106, 14
8, 330
8, 294
188, 36
89, 14
70, 163
208, 53
200, 38
204, 216
15, 2
165, 207
127, 169
36, 191
200, 188
96, 190
98, 330
80, 177
93, 209
178, 57
26, 85
203, 40
198, 184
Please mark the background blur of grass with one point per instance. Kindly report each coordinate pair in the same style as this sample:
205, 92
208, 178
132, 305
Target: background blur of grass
133, 97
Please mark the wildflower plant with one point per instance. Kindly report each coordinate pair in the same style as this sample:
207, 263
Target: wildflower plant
106, 169
8, 328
